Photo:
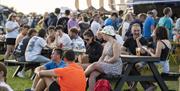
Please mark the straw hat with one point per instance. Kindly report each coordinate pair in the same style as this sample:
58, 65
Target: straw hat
109, 30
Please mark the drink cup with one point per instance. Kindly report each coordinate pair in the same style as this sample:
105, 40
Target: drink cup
138, 51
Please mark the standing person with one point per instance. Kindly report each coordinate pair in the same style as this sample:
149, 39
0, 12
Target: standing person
126, 23
22, 34
148, 25
163, 48
167, 21
56, 62
73, 23
84, 24
12, 31
63, 21
34, 47
3, 73
112, 21
95, 25
69, 78
109, 62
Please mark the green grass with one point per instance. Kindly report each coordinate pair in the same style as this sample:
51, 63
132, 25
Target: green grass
20, 84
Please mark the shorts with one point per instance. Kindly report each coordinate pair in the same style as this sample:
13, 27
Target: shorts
10, 41
54, 86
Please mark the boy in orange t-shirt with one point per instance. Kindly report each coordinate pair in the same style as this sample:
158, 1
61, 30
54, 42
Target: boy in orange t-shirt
70, 78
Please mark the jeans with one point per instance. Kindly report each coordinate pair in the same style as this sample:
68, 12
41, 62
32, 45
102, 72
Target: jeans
41, 59
165, 65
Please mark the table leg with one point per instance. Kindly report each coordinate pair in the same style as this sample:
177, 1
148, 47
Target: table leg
121, 80
158, 77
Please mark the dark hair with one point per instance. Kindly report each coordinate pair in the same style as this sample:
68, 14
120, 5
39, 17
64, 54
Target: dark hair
114, 14
3, 68
59, 27
121, 12
59, 52
161, 33
42, 33
51, 27
57, 10
166, 10
31, 31
150, 13
88, 33
95, 15
26, 26
69, 55
74, 30
67, 12
10, 16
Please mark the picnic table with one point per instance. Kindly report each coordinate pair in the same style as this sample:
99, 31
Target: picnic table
131, 61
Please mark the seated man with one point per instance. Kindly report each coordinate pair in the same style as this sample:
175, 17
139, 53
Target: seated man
70, 78
129, 47
3, 73
56, 62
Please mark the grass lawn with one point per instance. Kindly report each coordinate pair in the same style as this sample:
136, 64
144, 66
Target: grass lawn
20, 84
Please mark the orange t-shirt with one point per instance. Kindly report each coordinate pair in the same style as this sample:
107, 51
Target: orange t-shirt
71, 78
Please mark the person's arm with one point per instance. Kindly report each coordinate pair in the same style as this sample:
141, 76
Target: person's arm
158, 50
46, 73
139, 45
123, 50
102, 57
116, 53
38, 69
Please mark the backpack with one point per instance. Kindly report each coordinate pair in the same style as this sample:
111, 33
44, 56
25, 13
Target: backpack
102, 85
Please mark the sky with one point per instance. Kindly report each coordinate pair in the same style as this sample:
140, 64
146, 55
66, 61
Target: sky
41, 6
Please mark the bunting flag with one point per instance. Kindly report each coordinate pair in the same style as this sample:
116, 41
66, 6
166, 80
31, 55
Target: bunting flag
77, 4
101, 3
89, 3
111, 4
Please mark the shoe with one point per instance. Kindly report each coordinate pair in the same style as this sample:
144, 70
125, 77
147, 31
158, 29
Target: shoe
20, 74
28, 89
151, 88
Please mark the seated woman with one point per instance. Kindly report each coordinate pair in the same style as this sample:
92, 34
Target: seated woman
93, 50
3, 85
109, 62
50, 37
162, 48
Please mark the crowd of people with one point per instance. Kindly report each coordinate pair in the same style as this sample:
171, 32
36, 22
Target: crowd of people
104, 38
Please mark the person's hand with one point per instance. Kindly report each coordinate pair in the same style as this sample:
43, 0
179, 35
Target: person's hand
57, 34
138, 38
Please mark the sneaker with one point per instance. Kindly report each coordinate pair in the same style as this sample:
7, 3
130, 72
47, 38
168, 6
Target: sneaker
20, 74
28, 89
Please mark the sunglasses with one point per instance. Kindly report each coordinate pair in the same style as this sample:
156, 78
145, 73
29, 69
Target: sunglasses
86, 39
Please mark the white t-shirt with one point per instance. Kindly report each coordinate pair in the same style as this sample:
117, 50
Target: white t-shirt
34, 47
65, 40
78, 43
125, 28
12, 25
95, 26
3, 84
119, 39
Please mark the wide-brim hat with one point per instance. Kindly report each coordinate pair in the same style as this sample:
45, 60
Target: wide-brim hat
109, 30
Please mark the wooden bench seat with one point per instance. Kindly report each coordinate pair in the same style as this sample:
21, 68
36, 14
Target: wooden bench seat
20, 65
